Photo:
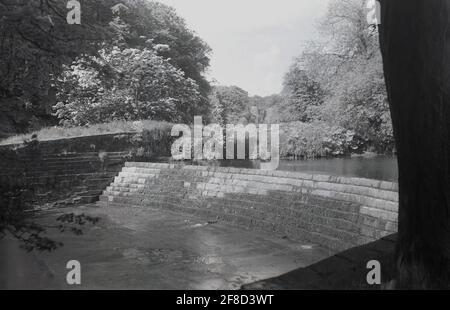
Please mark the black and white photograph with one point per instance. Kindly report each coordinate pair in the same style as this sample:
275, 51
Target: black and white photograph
246, 147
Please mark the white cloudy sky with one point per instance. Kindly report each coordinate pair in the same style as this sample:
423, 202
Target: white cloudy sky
253, 41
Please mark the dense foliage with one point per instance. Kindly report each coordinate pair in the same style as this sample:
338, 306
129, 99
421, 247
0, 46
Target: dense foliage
336, 85
302, 95
45, 61
317, 139
128, 84
35, 42
340, 80
151, 70
229, 104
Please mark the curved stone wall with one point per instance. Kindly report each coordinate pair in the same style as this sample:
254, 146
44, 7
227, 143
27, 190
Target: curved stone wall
335, 212
76, 170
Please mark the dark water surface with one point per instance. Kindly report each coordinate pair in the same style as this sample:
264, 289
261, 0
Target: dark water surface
376, 167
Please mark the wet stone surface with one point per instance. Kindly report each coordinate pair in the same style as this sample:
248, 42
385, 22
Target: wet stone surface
133, 248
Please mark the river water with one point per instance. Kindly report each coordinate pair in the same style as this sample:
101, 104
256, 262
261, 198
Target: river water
378, 168
375, 167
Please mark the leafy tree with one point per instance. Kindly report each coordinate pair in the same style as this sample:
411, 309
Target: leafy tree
316, 139
302, 92
346, 29
37, 44
339, 78
269, 108
36, 41
151, 25
128, 84
231, 104
217, 108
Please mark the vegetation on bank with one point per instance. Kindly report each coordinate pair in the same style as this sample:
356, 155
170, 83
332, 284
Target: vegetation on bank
128, 60
59, 132
299, 140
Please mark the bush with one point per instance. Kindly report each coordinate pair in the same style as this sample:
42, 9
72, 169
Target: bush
128, 84
316, 140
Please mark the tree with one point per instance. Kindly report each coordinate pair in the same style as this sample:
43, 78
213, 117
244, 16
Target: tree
128, 84
302, 92
415, 46
268, 108
156, 26
346, 25
217, 108
35, 43
151, 69
231, 104
338, 79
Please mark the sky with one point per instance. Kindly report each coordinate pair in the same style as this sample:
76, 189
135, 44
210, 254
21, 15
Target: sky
253, 41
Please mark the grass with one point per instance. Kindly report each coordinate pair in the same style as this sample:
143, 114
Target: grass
56, 133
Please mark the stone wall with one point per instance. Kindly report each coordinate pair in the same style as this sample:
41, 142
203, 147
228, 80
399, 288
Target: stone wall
335, 212
76, 170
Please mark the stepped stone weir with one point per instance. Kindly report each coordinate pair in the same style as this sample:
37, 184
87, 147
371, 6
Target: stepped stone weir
72, 177
335, 212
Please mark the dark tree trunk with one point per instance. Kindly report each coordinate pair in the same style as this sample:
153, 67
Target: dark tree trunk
415, 43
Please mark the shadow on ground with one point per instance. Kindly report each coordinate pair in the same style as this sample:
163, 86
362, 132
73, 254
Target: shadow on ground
344, 271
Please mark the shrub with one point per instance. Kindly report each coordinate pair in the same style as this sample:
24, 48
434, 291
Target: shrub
128, 84
317, 139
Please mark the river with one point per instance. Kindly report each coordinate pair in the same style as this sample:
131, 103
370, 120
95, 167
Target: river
374, 167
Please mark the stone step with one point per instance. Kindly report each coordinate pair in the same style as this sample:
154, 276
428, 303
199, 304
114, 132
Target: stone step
88, 192
269, 206
140, 170
105, 174
341, 216
245, 222
96, 183
71, 160
61, 172
265, 211
233, 185
343, 190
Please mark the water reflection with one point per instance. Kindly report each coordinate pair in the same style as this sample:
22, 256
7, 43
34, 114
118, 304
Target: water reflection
377, 167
